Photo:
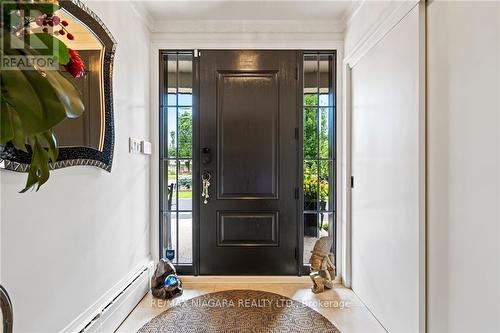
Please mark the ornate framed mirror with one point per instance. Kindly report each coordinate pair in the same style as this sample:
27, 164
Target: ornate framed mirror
89, 139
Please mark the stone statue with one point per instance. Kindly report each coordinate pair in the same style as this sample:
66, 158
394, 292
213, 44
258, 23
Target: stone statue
322, 267
164, 283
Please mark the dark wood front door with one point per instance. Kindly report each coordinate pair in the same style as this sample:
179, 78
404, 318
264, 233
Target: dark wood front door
248, 146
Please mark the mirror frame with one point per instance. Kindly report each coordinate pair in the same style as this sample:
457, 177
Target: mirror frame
17, 160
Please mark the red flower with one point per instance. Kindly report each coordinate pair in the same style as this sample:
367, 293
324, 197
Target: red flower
75, 66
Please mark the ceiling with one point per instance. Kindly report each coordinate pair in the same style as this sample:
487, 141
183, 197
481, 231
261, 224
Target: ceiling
246, 10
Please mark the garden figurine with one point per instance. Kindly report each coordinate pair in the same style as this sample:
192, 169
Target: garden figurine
322, 267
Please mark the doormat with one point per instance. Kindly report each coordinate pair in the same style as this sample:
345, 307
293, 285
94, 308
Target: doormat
239, 311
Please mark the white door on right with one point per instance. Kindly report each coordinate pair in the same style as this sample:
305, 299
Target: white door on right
387, 164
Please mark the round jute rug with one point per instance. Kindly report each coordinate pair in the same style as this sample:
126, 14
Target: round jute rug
239, 311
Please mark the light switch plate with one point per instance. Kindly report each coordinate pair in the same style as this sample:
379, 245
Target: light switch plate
134, 145
146, 147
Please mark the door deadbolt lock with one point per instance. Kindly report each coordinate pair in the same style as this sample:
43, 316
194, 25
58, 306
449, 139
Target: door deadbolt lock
206, 155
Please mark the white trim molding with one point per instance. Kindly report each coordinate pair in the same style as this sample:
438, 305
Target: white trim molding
422, 107
390, 18
346, 173
142, 13
351, 12
248, 26
255, 41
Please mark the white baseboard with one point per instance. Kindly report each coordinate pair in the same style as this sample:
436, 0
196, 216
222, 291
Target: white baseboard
114, 305
116, 312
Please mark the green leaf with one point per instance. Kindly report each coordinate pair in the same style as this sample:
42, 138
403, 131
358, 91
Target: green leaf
41, 157
32, 171
31, 180
56, 95
19, 138
44, 6
38, 172
22, 94
35, 100
10, 112
6, 126
54, 47
51, 140
67, 93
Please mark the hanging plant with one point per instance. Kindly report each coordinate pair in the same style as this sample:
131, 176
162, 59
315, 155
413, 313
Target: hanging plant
35, 99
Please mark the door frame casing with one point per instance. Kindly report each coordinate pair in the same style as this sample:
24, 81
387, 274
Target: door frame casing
156, 47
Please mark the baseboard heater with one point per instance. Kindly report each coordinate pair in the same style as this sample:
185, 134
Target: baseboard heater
114, 313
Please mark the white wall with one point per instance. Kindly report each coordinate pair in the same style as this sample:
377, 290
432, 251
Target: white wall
463, 166
387, 151
65, 246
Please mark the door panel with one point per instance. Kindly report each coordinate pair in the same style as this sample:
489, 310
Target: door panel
247, 228
248, 116
248, 104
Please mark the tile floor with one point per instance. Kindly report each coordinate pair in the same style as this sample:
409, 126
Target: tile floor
340, 305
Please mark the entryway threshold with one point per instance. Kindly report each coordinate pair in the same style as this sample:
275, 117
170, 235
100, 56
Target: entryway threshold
258, 279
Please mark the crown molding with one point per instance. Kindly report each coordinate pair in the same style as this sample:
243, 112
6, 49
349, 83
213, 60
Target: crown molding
243, 26
351, 12
248, 26
142, 13
388, 20
263, 41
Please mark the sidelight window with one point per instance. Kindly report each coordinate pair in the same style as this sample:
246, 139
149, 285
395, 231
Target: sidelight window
176, 156
318, 148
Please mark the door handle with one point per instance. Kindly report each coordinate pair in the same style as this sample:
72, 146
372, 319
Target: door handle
205, 192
